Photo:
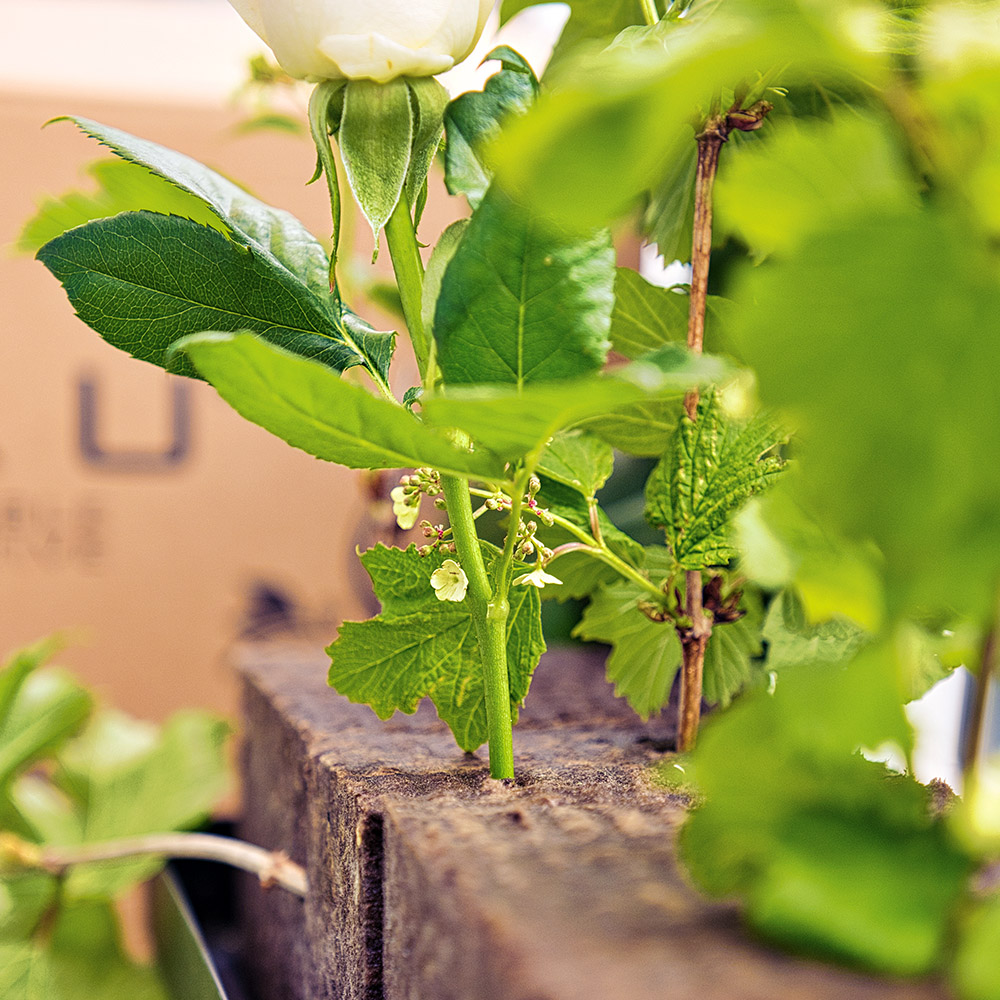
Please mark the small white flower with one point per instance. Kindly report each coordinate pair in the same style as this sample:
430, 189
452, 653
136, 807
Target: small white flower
536, 578
406, 507
449, 582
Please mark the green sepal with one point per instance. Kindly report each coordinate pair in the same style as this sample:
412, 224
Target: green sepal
326, 106
376, 138
428, 101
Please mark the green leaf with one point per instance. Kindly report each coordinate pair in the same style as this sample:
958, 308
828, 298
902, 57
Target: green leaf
310, 407
792, 640
645, 427
647, 317
830, 853
732, 654
975, 965
474, 120
578, 460
645, 654
143, 281
273, 232
428, 648
128, 778
513, 423
375, 138
810, 176
122, 186
892, 389
522, 303
83, 959
589, 21
429, 99
713, 467
21, 665
46, 710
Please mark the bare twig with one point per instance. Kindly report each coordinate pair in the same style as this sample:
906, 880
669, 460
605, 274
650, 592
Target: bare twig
271, 867
697, 629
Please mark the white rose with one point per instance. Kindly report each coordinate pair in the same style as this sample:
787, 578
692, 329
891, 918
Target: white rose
366, 39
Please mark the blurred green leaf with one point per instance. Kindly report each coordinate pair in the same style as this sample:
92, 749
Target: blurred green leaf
830, 853
48, 708
809, 177
793, 641
473, 122
83, 960
122, 186
644, 427
891, 383
975, 966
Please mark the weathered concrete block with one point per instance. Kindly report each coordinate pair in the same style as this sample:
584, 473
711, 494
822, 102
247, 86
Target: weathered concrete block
430, 881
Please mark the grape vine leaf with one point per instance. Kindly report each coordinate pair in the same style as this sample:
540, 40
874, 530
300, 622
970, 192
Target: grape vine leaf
474, 120
732, 655
713, 466
428, 648
645, 654
312, 408
521, 302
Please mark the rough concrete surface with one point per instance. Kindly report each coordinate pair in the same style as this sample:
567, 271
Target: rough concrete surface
431, 881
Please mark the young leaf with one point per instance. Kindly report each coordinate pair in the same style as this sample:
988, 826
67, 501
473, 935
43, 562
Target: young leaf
522, 303
578, 460
713, 466
312, 408
732, 654
668, 220
473, 121
273, 232
143, 281
645, 654
429, 648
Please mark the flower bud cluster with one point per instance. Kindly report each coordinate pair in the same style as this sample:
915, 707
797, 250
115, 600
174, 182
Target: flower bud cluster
406, 497
437, 532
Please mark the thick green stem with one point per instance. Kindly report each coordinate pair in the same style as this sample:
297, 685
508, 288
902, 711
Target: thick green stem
489, 612
489, 615
649, 11
409, 270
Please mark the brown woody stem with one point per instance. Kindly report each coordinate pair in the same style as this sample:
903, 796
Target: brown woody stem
695, 633
984, 679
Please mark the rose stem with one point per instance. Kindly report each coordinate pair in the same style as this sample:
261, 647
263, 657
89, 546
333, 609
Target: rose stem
489, 612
